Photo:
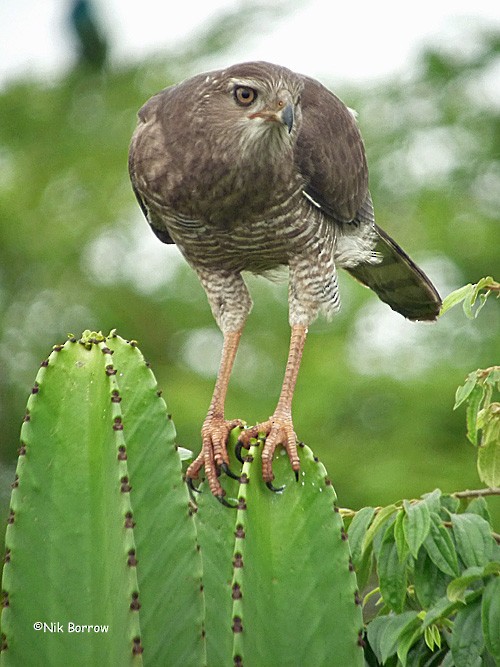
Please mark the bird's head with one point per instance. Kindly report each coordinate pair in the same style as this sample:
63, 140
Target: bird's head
259, 101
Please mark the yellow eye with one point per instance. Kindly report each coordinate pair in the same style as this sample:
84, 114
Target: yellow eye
245, 96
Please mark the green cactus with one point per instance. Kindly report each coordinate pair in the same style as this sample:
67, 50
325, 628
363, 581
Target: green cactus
287, 589
102, 532
75, 542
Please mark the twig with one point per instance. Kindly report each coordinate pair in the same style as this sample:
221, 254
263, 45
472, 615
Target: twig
477, 493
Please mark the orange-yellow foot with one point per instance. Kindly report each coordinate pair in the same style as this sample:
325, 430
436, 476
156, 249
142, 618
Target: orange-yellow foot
278, 430
213, 456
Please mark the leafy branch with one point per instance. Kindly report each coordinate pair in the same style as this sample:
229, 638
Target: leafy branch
437, 558
469, 294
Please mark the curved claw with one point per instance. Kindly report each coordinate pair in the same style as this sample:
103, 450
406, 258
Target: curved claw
224, 502
237, 452
229, 472
296, 475
192, 487
273, 488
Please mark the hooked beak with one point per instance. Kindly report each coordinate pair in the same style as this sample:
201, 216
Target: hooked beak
284, 114
287, 117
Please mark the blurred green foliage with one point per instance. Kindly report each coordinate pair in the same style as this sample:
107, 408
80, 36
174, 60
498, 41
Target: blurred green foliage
375, 393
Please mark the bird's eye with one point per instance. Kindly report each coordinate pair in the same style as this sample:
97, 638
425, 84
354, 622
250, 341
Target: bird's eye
245, 96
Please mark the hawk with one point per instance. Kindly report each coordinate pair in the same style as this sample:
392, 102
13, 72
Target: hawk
251, 168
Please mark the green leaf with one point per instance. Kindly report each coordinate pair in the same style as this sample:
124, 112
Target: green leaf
392, 573
432, 637
490, 613
472, 296
479, 506
488, 460
362, 560
463, 392
476, 398
357, 531
443, 608
430, 581
407, 640
382, 516
440, 547
433, 500
458, 587
473, 540
467, 642
400, 538
416, 525
384, 632
456, 297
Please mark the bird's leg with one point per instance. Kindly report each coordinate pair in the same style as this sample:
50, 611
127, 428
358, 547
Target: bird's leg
279, 427
216, 429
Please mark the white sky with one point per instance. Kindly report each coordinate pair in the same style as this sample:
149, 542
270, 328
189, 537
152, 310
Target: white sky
361, 40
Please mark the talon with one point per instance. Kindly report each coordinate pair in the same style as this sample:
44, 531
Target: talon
229, 472
191, 486
296, 475
273, 488
221, 498
237, 451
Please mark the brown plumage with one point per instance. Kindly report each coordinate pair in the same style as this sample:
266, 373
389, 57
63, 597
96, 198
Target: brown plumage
255, 167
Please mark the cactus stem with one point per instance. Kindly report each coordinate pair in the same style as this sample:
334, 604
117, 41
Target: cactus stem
15, 483
129, 520
44, 363
122, 453
244, 479
22, 449
357, 598
237, 560
7, 556
240, 531
11, 518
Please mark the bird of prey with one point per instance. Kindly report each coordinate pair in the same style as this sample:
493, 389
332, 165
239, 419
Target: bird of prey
251, 168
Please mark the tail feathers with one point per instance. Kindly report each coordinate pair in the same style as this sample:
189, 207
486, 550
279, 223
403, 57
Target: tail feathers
398, 281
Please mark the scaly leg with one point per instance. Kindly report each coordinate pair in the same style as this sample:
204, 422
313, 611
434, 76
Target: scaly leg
279, 427
216, 429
